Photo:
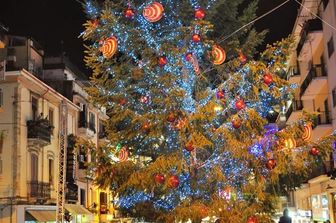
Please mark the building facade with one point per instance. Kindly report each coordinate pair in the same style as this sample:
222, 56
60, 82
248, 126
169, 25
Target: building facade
312, 68
33, 90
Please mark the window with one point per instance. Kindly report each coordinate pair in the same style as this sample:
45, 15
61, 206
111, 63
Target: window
51, 171
34, 102
34, 167
82, 197
1, 97
325, 4
0, 165
330, 45
92, 121
334, 97
51, 116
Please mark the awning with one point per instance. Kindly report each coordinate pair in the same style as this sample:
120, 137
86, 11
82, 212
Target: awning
42, 215
77, 209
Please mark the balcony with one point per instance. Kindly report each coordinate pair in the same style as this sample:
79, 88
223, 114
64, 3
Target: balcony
86, 130
312, 31
294, 111
71, 193
39, 132
322, 125
315, 81
38, 191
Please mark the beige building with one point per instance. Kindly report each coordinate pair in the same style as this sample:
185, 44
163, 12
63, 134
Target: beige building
30, 138
312, 68
29, 123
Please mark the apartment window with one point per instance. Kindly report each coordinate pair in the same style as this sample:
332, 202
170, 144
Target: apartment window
334, 97
51, 116
325, 4
34, 167
92, 121
51, 171
330, 46
34, 104
82, 197
1, 97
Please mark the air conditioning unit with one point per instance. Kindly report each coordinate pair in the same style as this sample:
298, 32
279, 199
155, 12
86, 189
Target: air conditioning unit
11, 58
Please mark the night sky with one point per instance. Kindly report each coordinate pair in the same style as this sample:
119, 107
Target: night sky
52, 21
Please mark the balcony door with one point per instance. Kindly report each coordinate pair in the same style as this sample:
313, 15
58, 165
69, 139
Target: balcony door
34, 168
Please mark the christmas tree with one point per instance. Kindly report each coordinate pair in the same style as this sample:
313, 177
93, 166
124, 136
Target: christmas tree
189, 132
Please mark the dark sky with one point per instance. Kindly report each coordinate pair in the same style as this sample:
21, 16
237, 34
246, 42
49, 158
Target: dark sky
51, 21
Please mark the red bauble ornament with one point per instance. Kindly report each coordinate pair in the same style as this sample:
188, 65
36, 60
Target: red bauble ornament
236, 123
122, 101
271, 163
242, 58
159, 178
162, 61
268, 79
144, 99
188, 56
173, 181
171, 117
146, 126
240, 104
220, 94
199, 13
129, 13
314, 151
252, 219
189, 147
196, 38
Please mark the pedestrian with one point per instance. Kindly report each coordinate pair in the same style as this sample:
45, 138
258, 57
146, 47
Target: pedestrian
285, 218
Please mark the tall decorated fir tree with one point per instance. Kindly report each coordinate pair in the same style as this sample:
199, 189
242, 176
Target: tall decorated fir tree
189, 111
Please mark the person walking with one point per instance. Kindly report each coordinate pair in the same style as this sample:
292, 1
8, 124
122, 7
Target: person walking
285, 218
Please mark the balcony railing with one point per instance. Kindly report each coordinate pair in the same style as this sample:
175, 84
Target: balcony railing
309, 26
40, 130
315, 71
293, 71
87, 125
39, 190
323, 118
295, 106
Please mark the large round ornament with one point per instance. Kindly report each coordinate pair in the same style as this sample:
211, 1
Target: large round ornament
123, 154
129, 13
240, 104
307, 132
196, 38
252, 219
199, 13
173, 181
268, 79
314, 151
236, 123
220, 94
270, 164
159, 178
218, 55
162, 61
189, 147
153, 12
109, 47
